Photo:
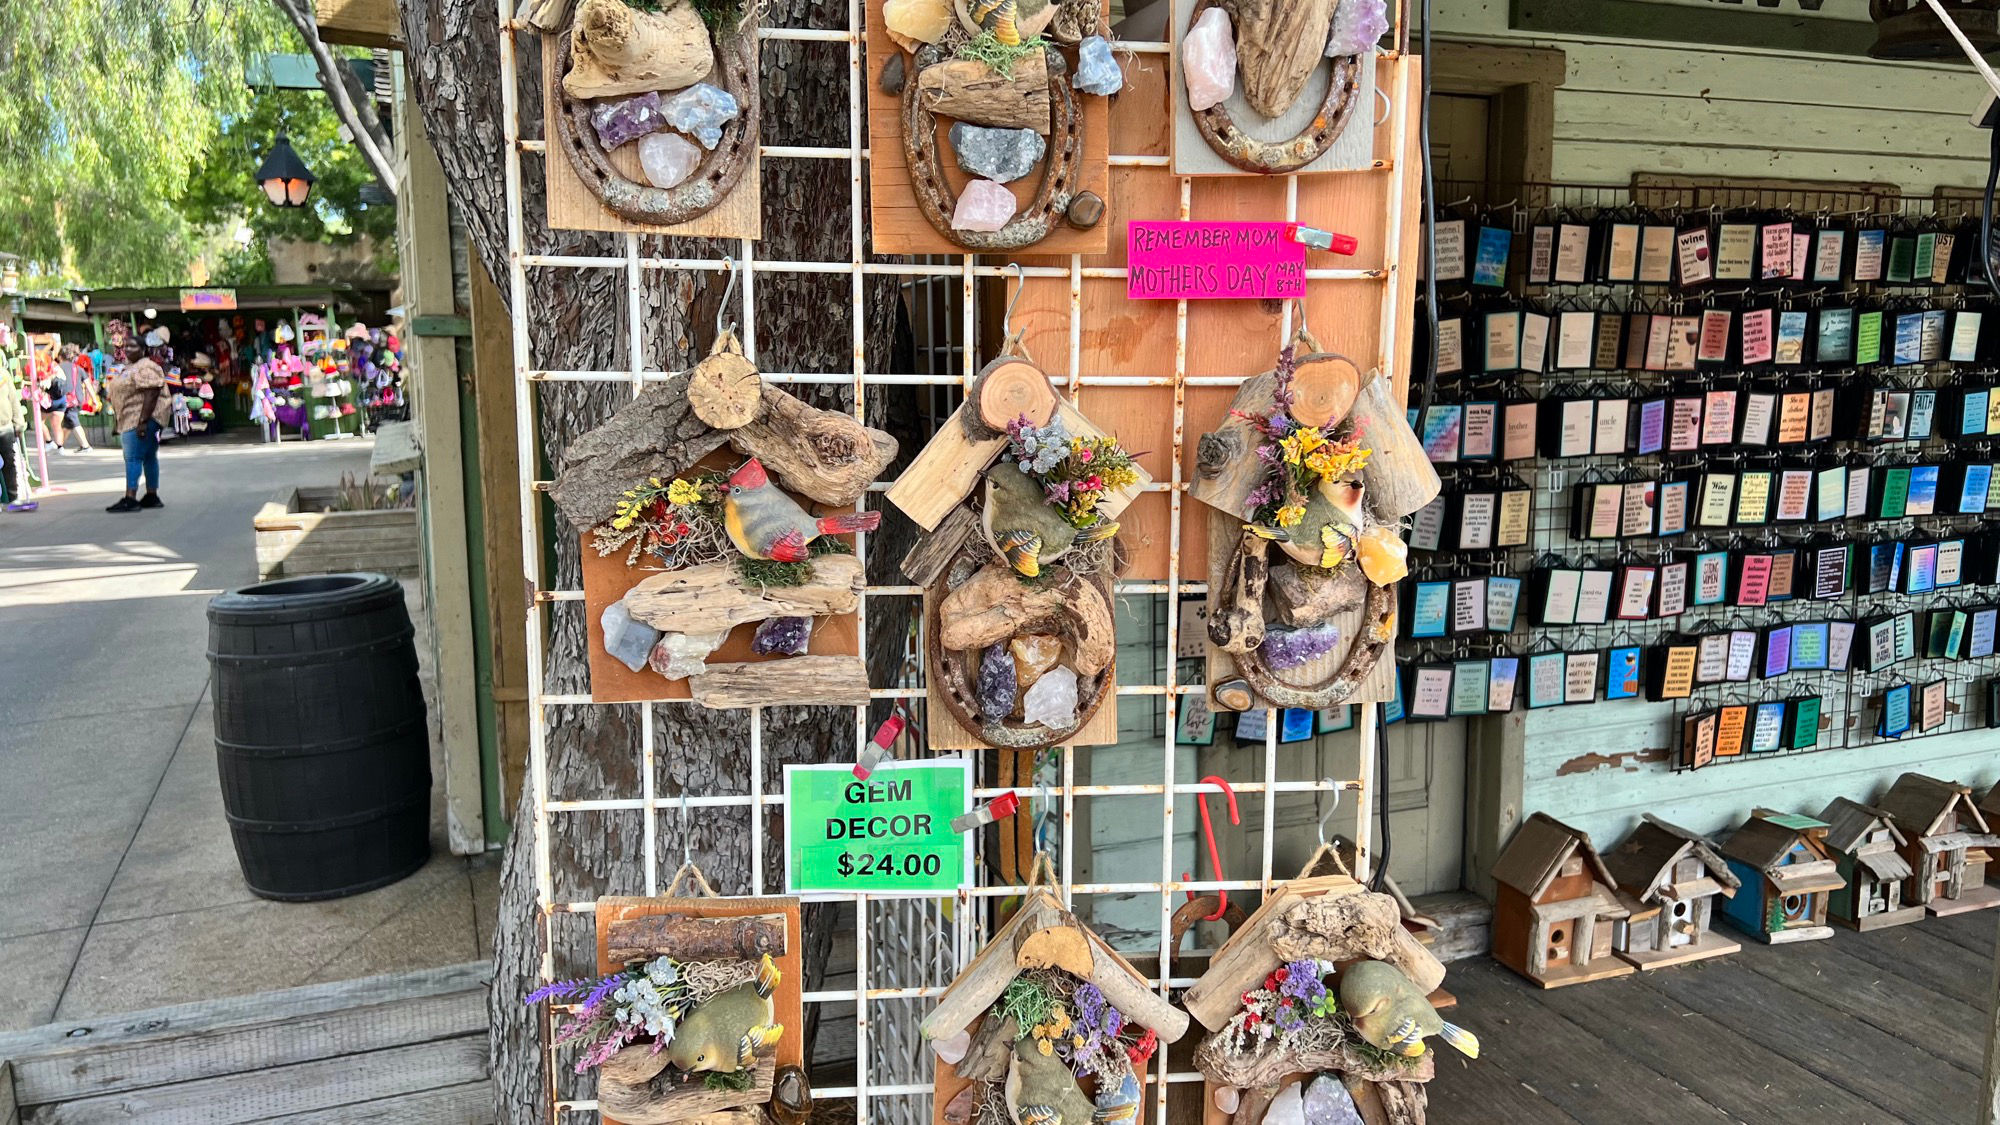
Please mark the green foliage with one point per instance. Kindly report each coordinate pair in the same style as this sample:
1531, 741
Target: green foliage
763, 572
986, 47
1026, 1001
106, 109
737, 1080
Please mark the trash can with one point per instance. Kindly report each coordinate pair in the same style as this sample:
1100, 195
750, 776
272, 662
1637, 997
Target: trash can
320, 735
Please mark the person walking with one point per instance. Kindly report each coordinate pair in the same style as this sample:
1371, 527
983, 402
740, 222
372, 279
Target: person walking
13, 419
59, 414
141, 407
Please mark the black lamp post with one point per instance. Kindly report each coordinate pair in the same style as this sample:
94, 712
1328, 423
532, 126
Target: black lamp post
283, 176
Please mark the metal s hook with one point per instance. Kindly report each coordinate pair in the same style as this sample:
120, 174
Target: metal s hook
1046, 823
1020, 286
1208, 837
722, 309
1330, 809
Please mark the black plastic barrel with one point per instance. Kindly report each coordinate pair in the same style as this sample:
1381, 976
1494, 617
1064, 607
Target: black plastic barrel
320, 735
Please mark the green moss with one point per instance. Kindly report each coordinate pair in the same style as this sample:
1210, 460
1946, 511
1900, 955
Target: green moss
1027, 1002
735, 1080
714, 13
987, 48
763, 572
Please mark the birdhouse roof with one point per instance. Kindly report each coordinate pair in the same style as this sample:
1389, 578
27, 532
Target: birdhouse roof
1850, 822
1651, 851
1919, 804
1538, 851
1762, 841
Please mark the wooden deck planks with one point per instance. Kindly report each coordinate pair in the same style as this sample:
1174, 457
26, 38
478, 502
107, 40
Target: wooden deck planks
1975, 931
1579, 1073
1943, 1025
1476, 1091
1916, 954
1912, 1082
468, 1104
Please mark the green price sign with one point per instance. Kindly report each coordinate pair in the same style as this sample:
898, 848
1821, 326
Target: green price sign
889, 835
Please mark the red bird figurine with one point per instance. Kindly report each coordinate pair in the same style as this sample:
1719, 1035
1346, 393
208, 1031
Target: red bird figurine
764, 523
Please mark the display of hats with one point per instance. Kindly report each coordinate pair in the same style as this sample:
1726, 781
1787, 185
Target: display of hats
158, 337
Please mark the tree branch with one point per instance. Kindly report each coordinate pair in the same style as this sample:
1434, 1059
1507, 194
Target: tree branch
350, 100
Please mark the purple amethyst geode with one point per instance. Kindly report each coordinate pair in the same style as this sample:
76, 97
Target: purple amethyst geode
1288, 648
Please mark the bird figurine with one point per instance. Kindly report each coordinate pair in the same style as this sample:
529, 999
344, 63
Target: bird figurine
764, 523
1322, 536
1010, 21
1393, 1014
1040, 1089
1117, 1102
724, 1032
1025, 528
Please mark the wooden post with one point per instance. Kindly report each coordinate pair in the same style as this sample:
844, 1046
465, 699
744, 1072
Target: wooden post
500, 522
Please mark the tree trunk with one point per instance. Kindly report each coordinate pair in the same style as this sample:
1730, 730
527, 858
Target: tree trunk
802, 325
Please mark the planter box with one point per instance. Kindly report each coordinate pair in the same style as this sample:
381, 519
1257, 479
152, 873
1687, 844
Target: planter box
294, 538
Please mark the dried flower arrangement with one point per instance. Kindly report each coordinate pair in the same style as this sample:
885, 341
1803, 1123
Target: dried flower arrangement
1074, 473
1312, 470
711, 1019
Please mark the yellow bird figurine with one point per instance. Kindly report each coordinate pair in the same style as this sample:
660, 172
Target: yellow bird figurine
725, 1032
1026, 529
1391, 1013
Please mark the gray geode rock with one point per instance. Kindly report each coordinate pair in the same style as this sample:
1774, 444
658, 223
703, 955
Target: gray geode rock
1003, 155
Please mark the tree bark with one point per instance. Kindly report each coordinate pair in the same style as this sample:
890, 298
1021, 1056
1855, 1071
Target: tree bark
578, 322
352, 102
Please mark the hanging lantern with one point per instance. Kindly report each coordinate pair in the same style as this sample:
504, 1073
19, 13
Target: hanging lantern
1909, 29
283, 176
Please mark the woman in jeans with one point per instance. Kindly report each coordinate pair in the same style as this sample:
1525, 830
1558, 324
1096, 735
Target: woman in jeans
142, 406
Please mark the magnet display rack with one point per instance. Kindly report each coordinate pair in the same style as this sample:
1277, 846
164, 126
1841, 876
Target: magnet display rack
1151, 372
1851, 700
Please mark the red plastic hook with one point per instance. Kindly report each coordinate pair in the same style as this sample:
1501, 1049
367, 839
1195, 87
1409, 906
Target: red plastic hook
1208, 837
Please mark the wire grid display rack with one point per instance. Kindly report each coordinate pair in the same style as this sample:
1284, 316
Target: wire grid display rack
1852, 699
891, 1079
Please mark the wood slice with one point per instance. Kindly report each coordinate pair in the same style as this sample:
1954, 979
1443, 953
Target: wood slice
1324, 386
1276, 157
1007, 390
1064, 947
725, 389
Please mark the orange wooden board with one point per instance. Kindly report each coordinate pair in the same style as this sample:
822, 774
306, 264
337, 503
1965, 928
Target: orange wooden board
573, 207
606, 579
897, 224
788, 1000
1234, 339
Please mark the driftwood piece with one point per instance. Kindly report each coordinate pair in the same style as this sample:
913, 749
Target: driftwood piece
995, 604
686, 937
824, 454
618, 50
992, 968
1305, 596
1226, 467
793, 681
1354, 927
1390, 1103
714, 598
1267, 1065
961, 1109
934, 550
1376, 633
1124, 988
634, 1066
1278, 42
952, 463
991, 1050
654, 435
1400, 477
666, 1100
1246, 958
1249, 153
970, 90
1236, 619
546, 15
1008, 389
725, 390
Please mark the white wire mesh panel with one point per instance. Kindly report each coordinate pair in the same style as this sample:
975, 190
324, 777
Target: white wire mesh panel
904, 952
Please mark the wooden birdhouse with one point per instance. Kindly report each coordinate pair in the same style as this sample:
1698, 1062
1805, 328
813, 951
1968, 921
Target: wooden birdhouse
1556, 907
1047, 1014
1312, 470
1019, 495
718, 514
1334, 971
1945, 841
1788, 877
1670, 878
1868, 847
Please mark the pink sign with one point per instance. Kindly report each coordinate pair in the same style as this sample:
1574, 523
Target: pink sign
1212, 261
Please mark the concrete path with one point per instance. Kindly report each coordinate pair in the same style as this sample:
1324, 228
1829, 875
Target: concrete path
118, 885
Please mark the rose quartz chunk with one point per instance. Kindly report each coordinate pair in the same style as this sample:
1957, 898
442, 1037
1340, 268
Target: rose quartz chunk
669, 159
1208, 59
983, 205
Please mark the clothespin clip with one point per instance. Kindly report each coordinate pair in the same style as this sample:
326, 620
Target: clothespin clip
997, 809
882, 745
1319, 239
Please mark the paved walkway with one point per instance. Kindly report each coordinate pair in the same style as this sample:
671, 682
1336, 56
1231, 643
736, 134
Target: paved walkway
118, 885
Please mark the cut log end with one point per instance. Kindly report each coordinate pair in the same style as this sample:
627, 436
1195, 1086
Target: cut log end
1323, 390
1011, 390
726, 392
